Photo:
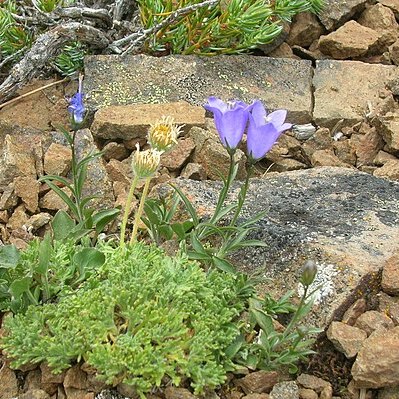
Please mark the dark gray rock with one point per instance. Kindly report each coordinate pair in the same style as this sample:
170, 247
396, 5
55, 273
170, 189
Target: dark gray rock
345, 220
143, 79
335, 13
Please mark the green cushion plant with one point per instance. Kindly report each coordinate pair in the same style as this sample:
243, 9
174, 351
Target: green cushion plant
142, 317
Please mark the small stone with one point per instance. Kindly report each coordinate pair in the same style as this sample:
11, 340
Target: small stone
392, 4
394, 52
9, 383
345, 152
350, 40
382, 158
285, 390
389, 305
127, 390
17, 160
382, 20
377, 363
8, 199
326, 158
18, 218
33, 380
306, 393
311, 382
34, 394
120, 171
326, 393
354, 311
74, 393
75, 378
178, 393
57, 160
283, 51
257, 396
258, 382
368, 146
388, 126
390, 276
128, 122
373, 320
193, 171
304, 132
115, 150
37, 221
3, 217
48, 377
390, 170
346, 339
389, 393
27, 188
305, 29
179, 155
335, 13
52, 201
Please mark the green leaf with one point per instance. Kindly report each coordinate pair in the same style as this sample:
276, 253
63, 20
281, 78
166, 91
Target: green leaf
64, 197
18, 287
102, 218
264, 321
9, 256
235, 346
190, 209
88, 259
166, 231
62, 225
196, 244
57, 178
223, 264
45, 251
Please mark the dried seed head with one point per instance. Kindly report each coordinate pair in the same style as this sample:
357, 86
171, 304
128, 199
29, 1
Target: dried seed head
163, 134
145, 163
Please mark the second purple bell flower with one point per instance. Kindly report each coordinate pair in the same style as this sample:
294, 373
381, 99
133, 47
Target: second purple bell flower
264, 130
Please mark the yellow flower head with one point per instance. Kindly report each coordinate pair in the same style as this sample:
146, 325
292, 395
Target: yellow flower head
145, 163
163, 134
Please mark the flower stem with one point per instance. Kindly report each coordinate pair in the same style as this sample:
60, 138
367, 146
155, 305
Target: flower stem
140, 211
226, 187
242, 195
77, 192
127, 210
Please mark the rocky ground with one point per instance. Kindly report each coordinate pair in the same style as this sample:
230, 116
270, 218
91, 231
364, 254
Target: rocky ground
337, 76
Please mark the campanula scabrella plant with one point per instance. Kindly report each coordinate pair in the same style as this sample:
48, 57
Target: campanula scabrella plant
264, 130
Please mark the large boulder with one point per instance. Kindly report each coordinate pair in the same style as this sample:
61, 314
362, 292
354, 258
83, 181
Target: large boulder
345, 220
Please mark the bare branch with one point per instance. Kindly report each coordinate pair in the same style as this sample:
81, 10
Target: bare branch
85, 12
137, 39
44, 49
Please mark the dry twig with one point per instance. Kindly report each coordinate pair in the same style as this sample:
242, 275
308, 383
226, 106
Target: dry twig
44, 49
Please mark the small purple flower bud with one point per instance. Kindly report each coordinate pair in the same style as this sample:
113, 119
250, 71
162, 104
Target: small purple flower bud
264, 130
230, 120
76, 107
309, 272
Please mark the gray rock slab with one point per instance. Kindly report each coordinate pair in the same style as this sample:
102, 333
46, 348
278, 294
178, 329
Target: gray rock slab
343, 89
335, 12
346, 221
279, 83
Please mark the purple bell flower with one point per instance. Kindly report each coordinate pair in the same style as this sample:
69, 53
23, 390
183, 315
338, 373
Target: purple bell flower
264, 130
76, 107
230, 120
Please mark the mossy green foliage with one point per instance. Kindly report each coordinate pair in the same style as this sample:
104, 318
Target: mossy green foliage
46, 268
229, 27
143, 316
